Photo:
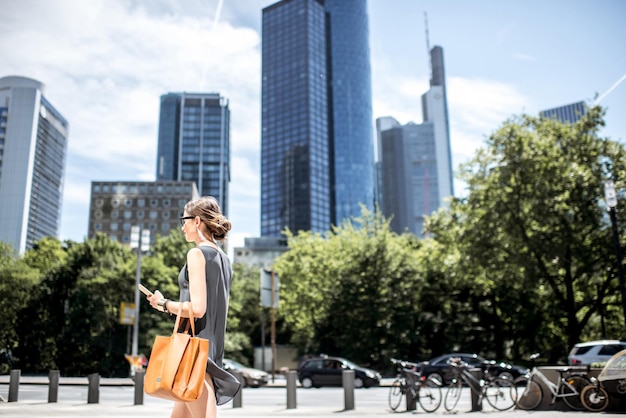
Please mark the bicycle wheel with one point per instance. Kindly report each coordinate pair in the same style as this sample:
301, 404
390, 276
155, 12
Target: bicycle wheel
429, 395
501, 394
396, 391
531, 396
594, 398
452, 395
571, 392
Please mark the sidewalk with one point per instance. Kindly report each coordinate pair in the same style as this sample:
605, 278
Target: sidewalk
116, 401
158, 410
19, 409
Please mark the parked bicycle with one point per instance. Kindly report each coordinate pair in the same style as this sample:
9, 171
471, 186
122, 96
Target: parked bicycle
609, 387
594, 397
427, 392
568, 388
501, 393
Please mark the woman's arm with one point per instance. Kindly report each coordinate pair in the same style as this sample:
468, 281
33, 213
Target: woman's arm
196, 269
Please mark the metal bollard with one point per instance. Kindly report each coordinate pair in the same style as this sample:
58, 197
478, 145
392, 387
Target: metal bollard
476, 404
237, 400
411, 401
347, 380
291, 389
93, 392
14, 384
53, 388
138, 379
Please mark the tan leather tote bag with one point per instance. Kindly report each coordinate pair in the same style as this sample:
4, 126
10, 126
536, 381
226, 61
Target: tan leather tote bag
177, 364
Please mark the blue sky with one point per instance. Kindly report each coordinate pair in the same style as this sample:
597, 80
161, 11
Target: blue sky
106, 62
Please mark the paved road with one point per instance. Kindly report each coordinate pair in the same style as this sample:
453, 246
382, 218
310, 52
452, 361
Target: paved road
117, 401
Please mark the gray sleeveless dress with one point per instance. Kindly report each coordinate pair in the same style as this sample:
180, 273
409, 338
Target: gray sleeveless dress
212, 325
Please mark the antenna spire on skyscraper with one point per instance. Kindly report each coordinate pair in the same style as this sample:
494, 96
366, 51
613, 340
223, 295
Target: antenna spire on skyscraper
430, 64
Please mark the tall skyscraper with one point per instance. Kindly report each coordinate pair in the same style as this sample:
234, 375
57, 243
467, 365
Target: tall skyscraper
382, 124
415, 159
352, 172
570, 113
316, 148
33, 146
194, 142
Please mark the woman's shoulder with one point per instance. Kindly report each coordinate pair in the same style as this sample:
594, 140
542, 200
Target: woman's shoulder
209, 251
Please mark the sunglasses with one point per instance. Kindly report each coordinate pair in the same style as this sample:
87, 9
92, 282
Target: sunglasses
183, 218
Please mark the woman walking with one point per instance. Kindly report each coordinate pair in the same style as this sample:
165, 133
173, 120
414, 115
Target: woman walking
205, 280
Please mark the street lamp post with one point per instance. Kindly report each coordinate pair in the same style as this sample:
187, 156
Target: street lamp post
141, 246
611, 202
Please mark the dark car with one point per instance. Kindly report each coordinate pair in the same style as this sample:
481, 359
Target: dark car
327, 371
439, 368
252, 377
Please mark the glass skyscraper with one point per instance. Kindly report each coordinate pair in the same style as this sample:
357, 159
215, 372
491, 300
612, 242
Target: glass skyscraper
194, 142
33, 148
410, 186
351, 107
570, 113
316, 147
415, 160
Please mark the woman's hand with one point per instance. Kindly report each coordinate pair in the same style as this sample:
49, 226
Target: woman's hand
154, 299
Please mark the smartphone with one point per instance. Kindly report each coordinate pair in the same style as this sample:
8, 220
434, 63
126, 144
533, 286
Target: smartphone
144, 290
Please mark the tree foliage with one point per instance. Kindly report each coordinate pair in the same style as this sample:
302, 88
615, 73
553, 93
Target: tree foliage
17, 281
538, 260
355, 285
71, 320
63, 304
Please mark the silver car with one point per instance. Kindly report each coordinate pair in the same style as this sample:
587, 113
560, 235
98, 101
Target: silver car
594, 352
253, 378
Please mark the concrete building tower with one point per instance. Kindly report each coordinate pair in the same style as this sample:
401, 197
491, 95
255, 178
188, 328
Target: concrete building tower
33, 147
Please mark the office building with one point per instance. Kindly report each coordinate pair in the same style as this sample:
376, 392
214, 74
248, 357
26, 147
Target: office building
415, 159
33, 148
351, 106
316, 140
570, 113
382, 124
194, 142
117, 206
260, 252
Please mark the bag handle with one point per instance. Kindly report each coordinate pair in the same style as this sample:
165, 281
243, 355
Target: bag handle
190, 315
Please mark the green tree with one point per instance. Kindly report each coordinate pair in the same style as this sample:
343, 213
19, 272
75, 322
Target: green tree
359, 283
160, 270
533, 232
244, 314
17, 281
47, 254
73, 321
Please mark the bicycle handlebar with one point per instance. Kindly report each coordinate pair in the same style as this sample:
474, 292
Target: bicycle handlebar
404, 363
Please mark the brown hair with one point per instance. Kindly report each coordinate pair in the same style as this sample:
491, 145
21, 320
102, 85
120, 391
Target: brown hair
211, 215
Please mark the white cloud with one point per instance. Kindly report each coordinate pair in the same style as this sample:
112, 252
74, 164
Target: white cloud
477, 108
105, 65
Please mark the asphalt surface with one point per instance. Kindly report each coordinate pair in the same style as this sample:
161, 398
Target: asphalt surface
116, 400
19, 409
